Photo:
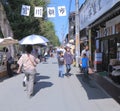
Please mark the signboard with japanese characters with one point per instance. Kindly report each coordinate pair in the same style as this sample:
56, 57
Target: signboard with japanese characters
61, 10
25, 11
93, 9
38, 12
51, 11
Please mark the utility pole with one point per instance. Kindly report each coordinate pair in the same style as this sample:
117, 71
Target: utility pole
62, 34
77, 34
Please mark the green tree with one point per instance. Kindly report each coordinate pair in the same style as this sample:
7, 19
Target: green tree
48, 27
26, 25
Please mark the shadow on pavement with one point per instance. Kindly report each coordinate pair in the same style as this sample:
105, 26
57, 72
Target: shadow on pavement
7, 77
110, 88
41, 85
68, 74
54, 62
92, 89
40, 77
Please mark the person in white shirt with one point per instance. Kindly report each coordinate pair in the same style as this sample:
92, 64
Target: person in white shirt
86, 51
88, 55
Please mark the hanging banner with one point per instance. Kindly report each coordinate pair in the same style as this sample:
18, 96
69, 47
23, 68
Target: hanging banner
61, 10
25, 11
38, 12
51, 11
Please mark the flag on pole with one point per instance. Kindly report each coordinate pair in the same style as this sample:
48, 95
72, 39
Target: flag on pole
38, 12
51, 11
25, 11
61, 10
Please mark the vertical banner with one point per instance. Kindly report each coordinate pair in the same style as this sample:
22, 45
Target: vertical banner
25, 11
38, 12
51, 11
61, 10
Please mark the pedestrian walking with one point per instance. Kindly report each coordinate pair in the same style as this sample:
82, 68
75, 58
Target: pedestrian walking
68, 60
9, 61
87, 52
88, 55
27, 63
61, 64
84, 64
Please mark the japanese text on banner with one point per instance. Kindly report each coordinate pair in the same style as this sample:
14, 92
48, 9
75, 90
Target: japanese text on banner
25, 10
61, 10
51, 11
38, 12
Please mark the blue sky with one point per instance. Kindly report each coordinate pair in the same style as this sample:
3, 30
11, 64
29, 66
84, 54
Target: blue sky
61, 22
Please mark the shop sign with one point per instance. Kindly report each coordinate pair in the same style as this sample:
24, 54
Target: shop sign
93, 9
98, 57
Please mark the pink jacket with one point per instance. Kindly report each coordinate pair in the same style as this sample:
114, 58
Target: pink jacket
28, 62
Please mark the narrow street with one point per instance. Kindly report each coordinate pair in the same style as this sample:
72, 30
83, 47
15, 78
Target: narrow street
52, 93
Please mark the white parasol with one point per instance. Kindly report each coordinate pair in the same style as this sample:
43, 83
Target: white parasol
33, 39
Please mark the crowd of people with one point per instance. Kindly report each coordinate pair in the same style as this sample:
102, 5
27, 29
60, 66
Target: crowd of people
67, 58
28, 61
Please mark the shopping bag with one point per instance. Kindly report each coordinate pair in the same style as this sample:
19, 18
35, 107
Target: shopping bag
90, 71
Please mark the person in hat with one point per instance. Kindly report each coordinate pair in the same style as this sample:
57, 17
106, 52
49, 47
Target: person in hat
68, 59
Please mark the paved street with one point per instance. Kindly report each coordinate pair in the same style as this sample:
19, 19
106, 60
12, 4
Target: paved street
55, 94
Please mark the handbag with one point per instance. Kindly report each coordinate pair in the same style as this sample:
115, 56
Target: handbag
27, 72
90, 71
31, 61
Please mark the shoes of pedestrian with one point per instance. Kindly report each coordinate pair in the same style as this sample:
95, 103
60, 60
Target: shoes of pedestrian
31, 95
24, 84
61, 76
26, 89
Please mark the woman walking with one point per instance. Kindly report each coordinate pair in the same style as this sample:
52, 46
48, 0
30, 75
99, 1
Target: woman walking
27, 63
68, 60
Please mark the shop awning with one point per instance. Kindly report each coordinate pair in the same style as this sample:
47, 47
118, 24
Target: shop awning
8, 41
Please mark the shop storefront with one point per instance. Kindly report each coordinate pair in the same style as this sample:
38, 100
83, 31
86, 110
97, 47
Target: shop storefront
108, 40
102, 19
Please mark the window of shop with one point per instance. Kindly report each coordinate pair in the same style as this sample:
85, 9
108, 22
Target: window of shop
118, 48
104, 50
117, 28
112, 48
